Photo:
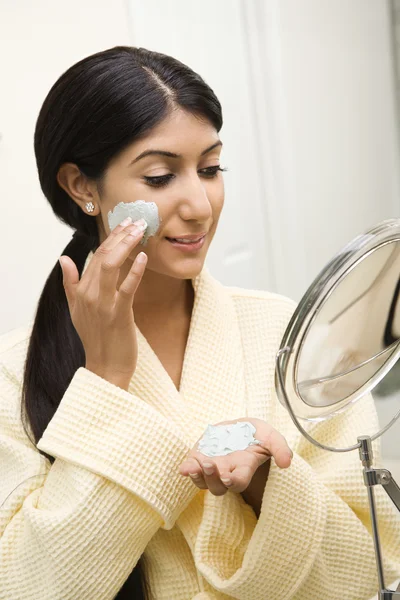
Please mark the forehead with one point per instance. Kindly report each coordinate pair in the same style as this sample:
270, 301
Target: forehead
180, 132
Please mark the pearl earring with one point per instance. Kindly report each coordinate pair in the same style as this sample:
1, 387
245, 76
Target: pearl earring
89, 206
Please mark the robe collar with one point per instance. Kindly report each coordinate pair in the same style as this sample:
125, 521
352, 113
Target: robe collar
212, 386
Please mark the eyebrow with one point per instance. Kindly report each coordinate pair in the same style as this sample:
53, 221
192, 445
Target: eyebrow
170, 154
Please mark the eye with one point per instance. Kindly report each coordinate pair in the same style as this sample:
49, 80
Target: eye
159, 181
211, 171
162, 180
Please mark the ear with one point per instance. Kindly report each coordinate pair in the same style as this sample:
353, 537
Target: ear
78, 186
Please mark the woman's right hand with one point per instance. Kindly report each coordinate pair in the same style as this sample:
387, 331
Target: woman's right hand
102, 314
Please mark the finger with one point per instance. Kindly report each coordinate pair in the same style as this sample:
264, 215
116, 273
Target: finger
190, 465
241, 477
131, 282
192, 468
212, 478
70, 276
276, 444
198, 480
111, 260
105, 249
110, 242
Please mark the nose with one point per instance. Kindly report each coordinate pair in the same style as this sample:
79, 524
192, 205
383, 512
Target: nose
194, 203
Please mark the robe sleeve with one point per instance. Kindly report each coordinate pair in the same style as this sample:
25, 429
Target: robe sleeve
76, 528
313, 536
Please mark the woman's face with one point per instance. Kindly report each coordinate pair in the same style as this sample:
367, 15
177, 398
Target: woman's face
188, 190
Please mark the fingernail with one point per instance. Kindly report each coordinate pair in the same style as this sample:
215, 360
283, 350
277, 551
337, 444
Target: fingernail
194, 475
226, 481
141, 223
142, 257
208, 468
126, 221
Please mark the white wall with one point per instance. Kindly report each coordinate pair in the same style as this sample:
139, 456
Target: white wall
324, 82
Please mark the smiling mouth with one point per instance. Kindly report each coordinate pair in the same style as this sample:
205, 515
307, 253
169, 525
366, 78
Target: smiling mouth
187, 244
186, 241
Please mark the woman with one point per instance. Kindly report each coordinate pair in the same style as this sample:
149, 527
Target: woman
127, 362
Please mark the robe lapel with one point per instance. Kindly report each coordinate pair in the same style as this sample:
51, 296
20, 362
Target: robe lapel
212, 385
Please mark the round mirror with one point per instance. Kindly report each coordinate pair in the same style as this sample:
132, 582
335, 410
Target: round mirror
345, 333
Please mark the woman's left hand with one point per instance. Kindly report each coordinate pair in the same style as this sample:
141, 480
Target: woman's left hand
238, 466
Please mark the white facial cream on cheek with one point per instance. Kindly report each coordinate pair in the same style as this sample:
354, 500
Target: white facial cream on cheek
136, 210
220, 440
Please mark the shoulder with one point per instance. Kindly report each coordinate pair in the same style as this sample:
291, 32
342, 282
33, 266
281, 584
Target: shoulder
13, 349
261, 303
16, 433
262, 316
15, 337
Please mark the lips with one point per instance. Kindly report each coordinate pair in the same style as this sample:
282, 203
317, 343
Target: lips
187, 246
185, 240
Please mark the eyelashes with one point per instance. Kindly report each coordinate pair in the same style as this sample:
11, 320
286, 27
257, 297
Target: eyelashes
163, 180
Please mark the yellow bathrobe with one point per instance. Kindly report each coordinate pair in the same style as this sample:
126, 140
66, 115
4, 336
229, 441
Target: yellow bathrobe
75, 530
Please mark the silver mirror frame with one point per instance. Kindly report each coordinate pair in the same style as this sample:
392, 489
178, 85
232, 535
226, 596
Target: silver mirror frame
306, 313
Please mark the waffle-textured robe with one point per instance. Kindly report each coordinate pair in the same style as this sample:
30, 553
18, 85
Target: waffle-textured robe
74, 530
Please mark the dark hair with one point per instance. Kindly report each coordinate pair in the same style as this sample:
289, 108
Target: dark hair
95, 109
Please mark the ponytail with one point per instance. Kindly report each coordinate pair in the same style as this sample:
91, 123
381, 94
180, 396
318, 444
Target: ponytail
55, 350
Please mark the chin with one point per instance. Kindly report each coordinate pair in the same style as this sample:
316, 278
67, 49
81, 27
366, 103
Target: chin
180, 269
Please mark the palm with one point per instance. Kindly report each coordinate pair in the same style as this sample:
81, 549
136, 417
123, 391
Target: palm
239, 465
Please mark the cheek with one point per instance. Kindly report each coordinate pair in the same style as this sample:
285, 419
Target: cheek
218, 203
221, 202
167, 206
218, 193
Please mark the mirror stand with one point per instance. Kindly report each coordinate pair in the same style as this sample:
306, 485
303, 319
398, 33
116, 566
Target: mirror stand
372, 477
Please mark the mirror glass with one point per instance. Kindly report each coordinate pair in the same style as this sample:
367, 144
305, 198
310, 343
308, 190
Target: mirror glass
344, 336
355, 331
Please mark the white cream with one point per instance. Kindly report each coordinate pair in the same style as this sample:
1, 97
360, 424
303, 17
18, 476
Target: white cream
220, 440
136, 210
